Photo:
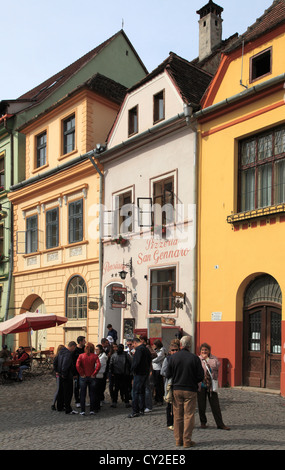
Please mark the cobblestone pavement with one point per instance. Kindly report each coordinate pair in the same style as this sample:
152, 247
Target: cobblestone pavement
257, 422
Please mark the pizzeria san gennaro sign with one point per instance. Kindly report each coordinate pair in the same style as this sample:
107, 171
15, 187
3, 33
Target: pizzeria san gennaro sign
119, 297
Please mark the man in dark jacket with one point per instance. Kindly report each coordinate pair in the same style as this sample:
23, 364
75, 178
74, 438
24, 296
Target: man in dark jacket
63, 365
81, 341
140, 370
186, 372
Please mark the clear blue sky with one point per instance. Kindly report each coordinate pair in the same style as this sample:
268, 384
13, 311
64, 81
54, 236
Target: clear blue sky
40, 38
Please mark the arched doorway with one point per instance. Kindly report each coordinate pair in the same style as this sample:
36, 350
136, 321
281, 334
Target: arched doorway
262, 333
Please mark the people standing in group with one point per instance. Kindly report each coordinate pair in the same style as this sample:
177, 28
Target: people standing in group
156, 372
100, 381
111, 332
140, 369
88, 365
120, 370
173, 348
186, 371
53, 406
64, 366
210, 366
81, 342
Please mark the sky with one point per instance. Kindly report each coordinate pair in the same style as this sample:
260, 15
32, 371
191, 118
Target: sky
40, 38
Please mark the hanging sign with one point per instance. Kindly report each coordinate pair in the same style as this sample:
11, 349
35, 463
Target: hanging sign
119, 297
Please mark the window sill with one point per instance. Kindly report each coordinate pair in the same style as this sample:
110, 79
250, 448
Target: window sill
66, 155
39, 168
256, 213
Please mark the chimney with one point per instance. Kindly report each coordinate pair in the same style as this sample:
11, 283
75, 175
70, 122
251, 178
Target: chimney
210, 28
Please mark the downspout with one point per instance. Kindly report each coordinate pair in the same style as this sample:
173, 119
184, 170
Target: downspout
188, 111
11, 252
90, 155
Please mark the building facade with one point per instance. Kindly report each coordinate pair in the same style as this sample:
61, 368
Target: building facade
241, 207
55, 260
149, 213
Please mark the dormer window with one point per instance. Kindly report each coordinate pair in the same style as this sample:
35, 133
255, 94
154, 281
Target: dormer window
158, 107
261, 65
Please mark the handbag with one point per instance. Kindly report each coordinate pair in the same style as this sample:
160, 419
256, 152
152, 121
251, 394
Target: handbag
215, 383
169, 393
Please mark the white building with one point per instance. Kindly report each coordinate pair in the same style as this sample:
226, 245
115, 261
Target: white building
150, 201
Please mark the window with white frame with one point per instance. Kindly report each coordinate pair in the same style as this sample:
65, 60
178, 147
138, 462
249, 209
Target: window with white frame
32, 234
52, 228
123, 214
76, 298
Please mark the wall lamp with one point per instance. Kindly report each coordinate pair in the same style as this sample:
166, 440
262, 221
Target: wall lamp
123, 273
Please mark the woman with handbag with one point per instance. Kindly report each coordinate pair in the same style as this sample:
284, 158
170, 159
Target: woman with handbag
208, 388
168, 392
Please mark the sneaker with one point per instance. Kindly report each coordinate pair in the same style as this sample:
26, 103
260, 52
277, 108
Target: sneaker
171, 428
77, 405
92, 413
73, 412
147, 410
82, 413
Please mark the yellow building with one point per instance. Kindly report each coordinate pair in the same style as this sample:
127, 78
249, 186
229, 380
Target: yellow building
241, 260
56, 257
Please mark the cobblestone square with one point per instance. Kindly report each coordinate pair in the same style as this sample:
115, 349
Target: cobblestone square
256, 419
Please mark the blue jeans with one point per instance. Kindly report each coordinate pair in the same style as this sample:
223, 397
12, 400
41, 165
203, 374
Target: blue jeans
138, 402
90, 383
20, 373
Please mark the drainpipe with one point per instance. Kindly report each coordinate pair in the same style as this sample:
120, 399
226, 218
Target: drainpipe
11, 253
90, 155
188, 111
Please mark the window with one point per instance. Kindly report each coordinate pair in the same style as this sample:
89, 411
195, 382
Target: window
163, 197
124, 212
262, 170
2, 173
76, 298
69, 134
41, 149
52, 228
162, 286
158, 107
75, 221
133, 121
32, 234
260, 64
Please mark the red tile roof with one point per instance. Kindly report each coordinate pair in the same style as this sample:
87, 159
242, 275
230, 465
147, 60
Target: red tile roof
272, 18
191, 81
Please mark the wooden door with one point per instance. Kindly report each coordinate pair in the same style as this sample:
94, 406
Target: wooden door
262, 347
